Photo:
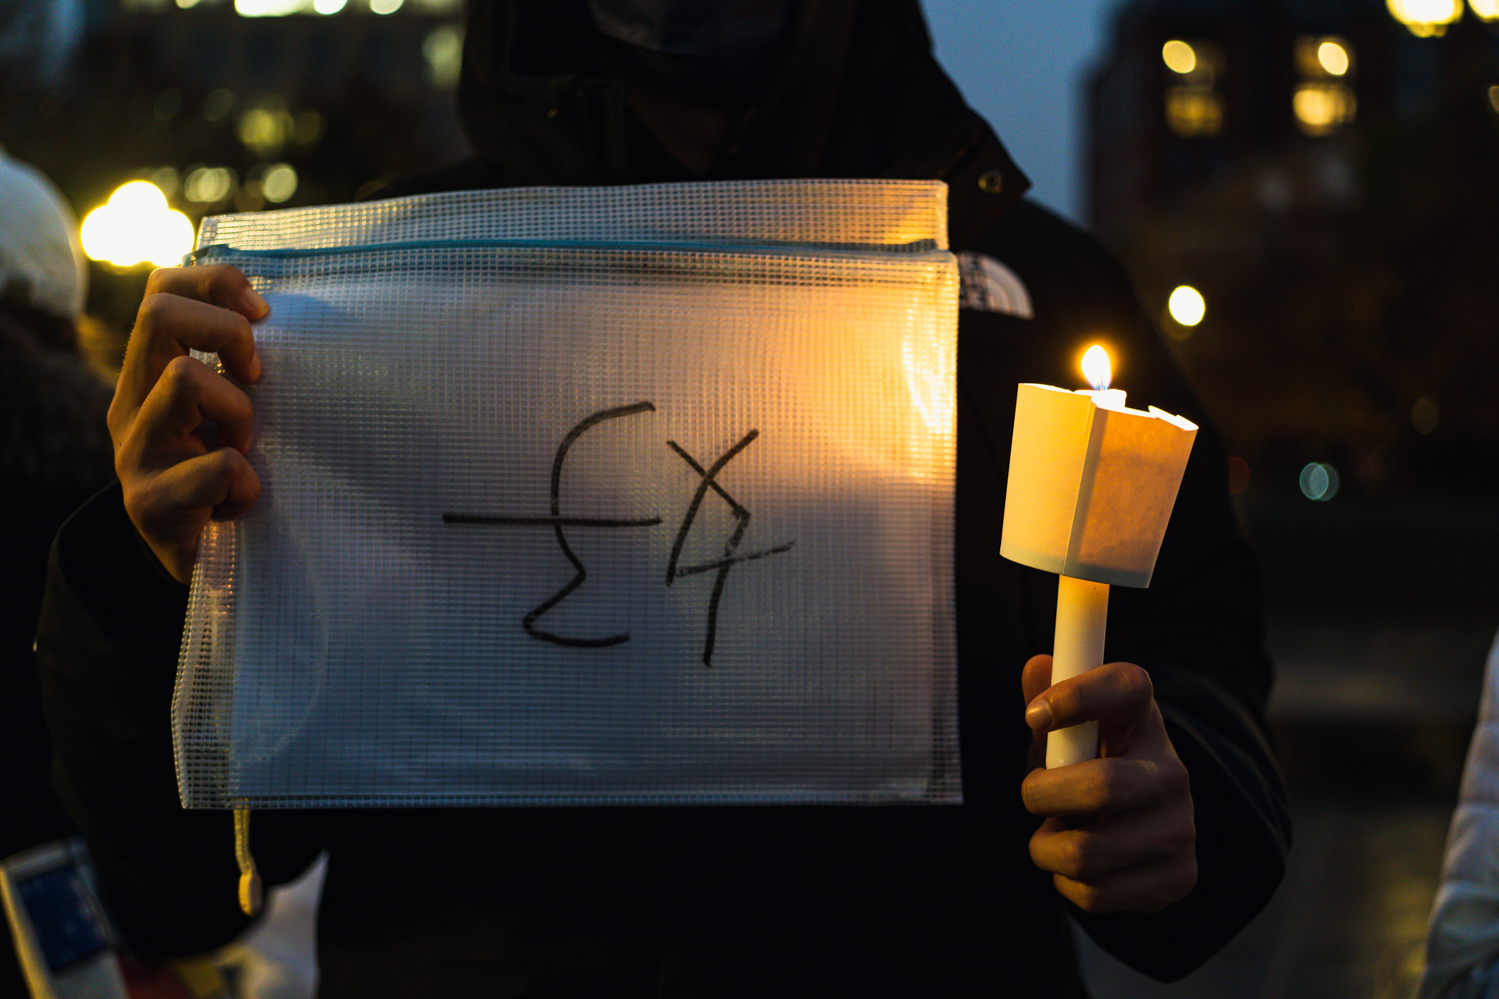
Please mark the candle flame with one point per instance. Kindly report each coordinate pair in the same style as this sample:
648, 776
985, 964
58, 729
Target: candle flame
1097, 368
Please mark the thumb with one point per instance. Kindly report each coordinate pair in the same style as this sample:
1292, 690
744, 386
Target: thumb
1036, 677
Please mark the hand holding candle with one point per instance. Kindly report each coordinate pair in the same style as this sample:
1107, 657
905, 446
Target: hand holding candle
1136, 849
1090, 492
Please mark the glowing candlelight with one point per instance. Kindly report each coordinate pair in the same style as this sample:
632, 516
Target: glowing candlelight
1090, 492
1099, 371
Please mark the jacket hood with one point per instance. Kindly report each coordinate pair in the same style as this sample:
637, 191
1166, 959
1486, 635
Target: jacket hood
854, 91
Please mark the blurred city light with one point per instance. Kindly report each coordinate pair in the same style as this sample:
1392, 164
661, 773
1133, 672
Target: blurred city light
1186, 305
1193, 111
1424, 416
209, 185
265, 130
443, 50
218, 104
1333, 57
1494, 98
1238, 475
136, 226
1319, 57
166, 179
166, 105
307, 128
1097, 368
328, 6
1322, 107
1193, 107
385, 6
1426, 18
279, 182
268, 8
1319, 481
1488, 10
1179, 57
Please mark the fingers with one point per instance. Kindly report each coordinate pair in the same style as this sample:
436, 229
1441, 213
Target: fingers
1137, 861
1146, 888
1036, 677
187, 393
1137, 852
191, 308
173, 482
217, 485
217, 284
1114, 690
1105, 786
171, 507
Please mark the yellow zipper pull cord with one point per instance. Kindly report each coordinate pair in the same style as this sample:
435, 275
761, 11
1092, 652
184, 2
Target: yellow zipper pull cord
250, 892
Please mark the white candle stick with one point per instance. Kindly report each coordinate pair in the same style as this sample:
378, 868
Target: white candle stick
1082, 613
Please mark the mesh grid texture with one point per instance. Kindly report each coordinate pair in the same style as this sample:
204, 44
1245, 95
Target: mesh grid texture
866, 213
613, 516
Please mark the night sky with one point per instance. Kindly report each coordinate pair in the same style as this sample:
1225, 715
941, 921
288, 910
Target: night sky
1021, 64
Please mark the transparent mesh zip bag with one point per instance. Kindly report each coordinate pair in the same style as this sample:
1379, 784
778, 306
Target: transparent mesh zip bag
587, 496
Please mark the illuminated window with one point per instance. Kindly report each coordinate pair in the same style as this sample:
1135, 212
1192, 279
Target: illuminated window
1193, 105
1321, 108
1324, 102
1326, 56
1427, 18
1194, 111
1179, 57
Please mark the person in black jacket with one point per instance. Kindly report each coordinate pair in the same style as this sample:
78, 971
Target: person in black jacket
54, 454
1186, 826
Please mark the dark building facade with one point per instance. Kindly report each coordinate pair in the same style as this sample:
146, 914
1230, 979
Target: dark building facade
1323, 174
225, 111
1191, 89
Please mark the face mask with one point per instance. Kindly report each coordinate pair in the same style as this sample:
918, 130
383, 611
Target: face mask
697, 29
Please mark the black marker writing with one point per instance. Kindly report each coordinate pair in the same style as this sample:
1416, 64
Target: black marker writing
557, 522
708, 479
675, 571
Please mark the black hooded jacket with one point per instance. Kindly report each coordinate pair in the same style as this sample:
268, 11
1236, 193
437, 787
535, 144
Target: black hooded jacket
732, 901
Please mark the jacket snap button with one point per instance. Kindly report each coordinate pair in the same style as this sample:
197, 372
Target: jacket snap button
991, 182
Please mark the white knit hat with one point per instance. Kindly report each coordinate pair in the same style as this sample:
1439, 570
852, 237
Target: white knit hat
41, 260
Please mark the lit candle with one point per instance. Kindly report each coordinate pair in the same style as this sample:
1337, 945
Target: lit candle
1099, 371
1091, 487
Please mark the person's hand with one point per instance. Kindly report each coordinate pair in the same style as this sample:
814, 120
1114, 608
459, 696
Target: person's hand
173, 481
1118, 834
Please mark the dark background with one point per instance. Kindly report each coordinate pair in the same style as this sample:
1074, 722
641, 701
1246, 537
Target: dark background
1351, 272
